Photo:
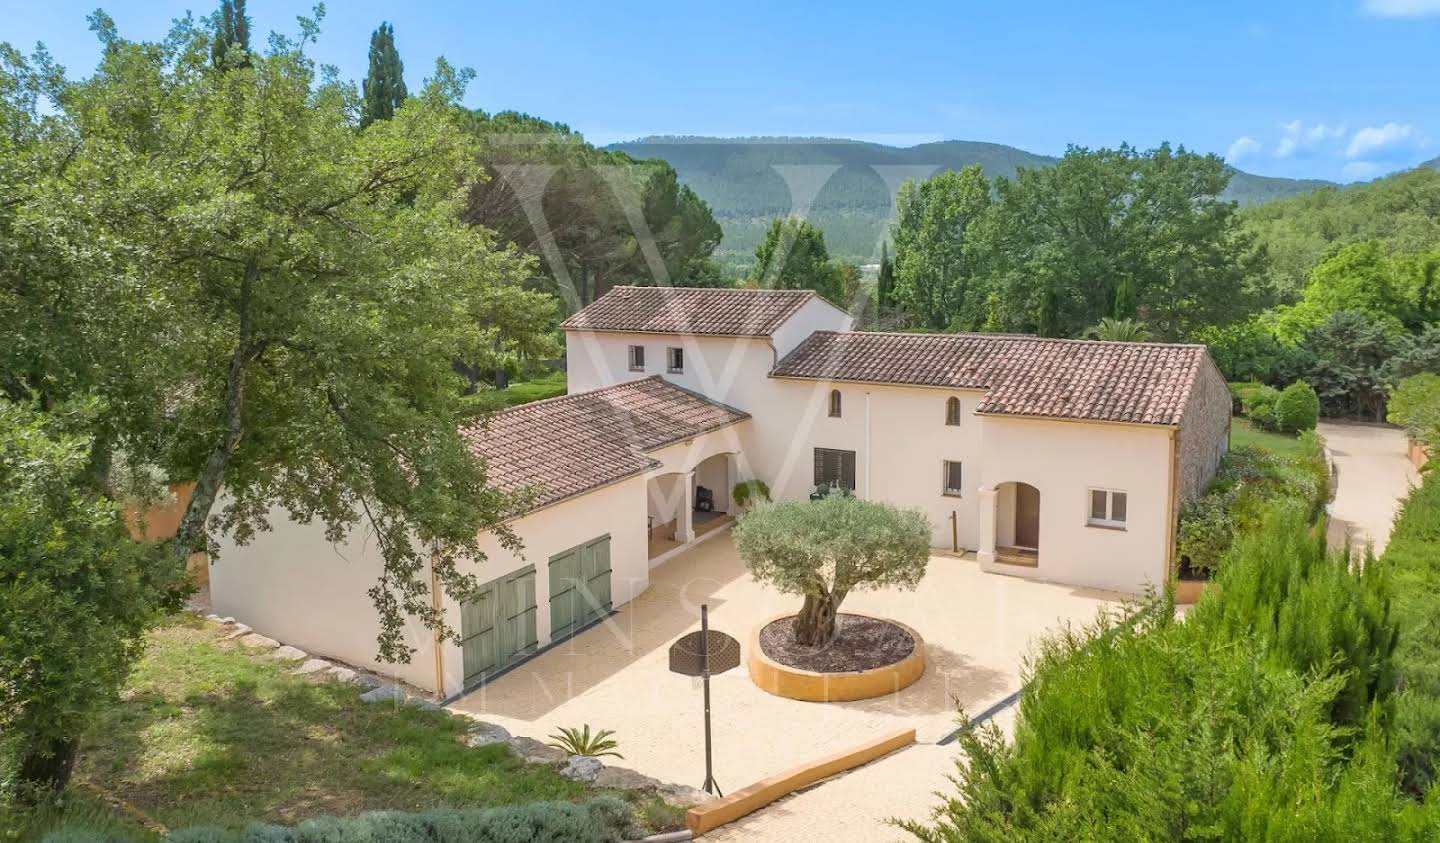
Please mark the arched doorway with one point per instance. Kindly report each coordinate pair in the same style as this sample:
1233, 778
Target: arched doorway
1027, 517
1017, 524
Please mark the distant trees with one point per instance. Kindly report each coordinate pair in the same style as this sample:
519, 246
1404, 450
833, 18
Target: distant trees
885, 281
384, 85
1104, 233
937, 272
593, 218
793, 257
231, 44
1117, 233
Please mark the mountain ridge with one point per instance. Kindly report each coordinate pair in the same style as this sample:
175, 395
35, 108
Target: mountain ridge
746, 182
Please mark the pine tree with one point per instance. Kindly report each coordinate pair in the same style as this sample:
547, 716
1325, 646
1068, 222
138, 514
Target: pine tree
885, 287
232, 29
385, 84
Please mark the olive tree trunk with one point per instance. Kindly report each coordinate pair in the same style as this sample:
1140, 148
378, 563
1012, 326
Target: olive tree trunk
815, 625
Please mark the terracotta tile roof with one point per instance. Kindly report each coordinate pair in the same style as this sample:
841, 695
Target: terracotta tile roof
731, 312
564, 446
1146, 383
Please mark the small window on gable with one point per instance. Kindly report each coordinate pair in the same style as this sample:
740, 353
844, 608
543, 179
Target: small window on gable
1107, 508
953, 478
952, 412
675, 360
637, 358
834, 403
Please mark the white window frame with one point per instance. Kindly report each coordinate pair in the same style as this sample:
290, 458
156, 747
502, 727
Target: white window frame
945, 488
1108, 522
637, 366
670, 356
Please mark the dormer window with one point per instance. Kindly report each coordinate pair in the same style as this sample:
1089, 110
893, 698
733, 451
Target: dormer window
952, 412
675, 360
834, 403
637, 358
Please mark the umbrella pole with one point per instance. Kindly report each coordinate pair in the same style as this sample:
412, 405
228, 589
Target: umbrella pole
705, 674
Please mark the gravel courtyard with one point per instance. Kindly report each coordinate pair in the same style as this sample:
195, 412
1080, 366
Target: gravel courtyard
977, 628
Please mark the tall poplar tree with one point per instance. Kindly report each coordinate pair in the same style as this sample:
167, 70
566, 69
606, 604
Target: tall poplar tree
885, 283
384, 85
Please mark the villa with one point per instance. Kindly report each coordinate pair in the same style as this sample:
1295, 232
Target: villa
1061, 460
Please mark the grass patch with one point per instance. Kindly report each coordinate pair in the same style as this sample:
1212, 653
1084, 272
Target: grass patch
207, 733
536, 389
1243, 434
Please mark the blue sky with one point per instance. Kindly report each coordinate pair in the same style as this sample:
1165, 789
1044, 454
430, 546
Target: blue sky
1334, 89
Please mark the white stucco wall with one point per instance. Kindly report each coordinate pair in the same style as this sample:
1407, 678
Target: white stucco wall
1063, 460
293, 585
815, 315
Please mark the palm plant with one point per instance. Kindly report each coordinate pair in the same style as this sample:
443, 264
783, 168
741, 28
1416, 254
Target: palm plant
581, 742
1118, 330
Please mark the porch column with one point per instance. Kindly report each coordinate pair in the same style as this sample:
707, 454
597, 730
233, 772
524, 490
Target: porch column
987, 506
685, 519
732, 472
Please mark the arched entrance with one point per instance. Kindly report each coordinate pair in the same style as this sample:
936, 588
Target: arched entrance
1017, 524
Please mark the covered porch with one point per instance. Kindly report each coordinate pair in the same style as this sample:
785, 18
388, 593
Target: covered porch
687, 505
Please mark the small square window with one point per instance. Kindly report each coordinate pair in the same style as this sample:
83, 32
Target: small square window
1108, 508
637, 358
675, 360
953, 479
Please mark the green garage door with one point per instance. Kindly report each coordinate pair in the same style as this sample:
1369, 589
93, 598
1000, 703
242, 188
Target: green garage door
579, 586
497, 628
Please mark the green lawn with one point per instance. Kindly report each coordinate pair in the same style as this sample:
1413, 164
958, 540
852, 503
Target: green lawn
208, 733
548, 386
1244, 434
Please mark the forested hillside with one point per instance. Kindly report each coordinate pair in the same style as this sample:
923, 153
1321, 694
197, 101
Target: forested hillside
1402, 211
744, 180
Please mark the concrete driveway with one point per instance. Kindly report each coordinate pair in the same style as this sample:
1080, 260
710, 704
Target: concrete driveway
977, 629
1374, 475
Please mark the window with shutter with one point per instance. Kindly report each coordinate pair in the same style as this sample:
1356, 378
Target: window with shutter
835, 468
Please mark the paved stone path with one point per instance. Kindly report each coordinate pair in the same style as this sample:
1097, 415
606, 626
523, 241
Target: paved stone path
1374, 476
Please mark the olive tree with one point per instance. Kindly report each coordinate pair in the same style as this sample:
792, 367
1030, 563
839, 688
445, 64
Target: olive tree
825, 549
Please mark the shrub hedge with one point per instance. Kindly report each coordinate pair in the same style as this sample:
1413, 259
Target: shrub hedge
604, 819
1265, 715
1249, 482
1413, 559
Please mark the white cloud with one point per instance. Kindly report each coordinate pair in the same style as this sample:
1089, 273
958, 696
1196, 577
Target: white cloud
1402, 8
1300, 137
1390, 136
1243, 147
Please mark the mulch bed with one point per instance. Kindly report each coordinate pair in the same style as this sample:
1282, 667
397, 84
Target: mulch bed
860, 643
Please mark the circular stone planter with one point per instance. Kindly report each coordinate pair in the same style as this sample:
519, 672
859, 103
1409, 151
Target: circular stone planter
811, 686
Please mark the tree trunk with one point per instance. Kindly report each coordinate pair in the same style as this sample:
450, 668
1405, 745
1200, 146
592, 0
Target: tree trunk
815, 625
45, 768
207, 486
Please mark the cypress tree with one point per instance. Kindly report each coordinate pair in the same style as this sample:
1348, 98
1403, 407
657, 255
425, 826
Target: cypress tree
232, 29
885, 286
384, 85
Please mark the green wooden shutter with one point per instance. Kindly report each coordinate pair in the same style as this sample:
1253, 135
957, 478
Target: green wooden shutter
596, 571
517, 614
480, 640
564, 570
